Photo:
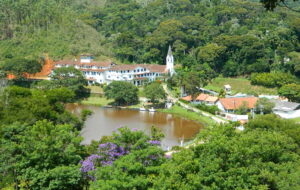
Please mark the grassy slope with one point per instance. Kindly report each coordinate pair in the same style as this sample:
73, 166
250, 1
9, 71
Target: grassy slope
241, 85
97, 101
177, 110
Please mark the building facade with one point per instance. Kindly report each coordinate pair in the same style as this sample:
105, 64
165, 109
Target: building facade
106, 72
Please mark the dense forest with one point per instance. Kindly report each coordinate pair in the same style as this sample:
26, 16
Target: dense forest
232, 37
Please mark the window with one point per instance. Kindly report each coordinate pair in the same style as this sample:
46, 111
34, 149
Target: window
138, 70
128, 71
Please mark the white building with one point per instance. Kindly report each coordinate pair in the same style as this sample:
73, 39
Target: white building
106, 72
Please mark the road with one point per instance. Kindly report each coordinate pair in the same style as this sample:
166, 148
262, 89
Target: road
189, 107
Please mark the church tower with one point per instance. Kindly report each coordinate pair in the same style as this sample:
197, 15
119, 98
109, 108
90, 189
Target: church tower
170, 62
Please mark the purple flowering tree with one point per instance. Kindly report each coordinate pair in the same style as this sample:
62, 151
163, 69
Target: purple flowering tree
107, 153
145, 150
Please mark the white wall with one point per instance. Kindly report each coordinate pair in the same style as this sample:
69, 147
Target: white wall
288, 115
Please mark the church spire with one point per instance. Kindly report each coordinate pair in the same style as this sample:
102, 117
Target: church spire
170, 61
170, 51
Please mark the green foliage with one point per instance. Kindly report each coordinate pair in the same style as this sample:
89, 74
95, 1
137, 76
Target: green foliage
85, 114
63, 95
239, 85
222, 93
232, 37
28, 106
56, 148
290, 91
154, 92
20, 66
230, 160
272, 4
58, 178
272, 122
34, 28
264, 105
134, 171
66, 77
191, 81
123, 93
137, 168
181, 112
156, 133
210, 109
275, 79
243, 109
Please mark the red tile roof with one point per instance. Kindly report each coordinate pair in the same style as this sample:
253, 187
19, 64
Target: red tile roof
93, 70
150, 67
93, 63
236, 103
202, 97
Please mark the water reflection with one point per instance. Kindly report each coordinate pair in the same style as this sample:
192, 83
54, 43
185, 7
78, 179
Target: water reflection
106, 120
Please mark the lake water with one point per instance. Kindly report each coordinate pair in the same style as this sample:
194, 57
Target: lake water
106, 120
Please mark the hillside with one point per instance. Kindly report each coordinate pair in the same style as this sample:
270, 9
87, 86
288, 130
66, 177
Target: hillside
231, 37
32, 28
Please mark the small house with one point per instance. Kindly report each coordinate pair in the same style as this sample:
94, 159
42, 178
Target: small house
202, 99
227, 89
230, 105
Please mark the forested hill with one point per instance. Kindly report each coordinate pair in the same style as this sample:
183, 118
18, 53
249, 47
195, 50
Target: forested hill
232, 36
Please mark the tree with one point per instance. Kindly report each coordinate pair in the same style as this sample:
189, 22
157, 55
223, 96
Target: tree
271, 122
63, 95
192, 81
243, 109
154, 92
273, 79
212, 54
290, 91
20, 66
67, 77
50, 163
226, 159
271, 4
230, 69
130, 160
264, 105
123, 93
24, 105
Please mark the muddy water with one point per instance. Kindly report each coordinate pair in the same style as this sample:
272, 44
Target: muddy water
106, 120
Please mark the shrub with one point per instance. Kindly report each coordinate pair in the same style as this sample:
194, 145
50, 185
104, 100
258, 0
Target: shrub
276, 79
210, 109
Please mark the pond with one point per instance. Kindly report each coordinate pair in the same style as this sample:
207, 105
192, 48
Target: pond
106, 120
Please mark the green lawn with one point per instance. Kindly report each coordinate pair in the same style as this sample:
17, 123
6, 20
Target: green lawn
241, 85
141, 92
96, 89
297, 120
179, 111
97, 101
